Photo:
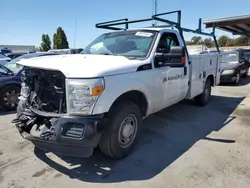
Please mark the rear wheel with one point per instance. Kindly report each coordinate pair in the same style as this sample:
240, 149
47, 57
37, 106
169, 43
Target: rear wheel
204, 97
9, 97
121, 133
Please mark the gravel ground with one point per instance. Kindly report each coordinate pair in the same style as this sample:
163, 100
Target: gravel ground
182, 146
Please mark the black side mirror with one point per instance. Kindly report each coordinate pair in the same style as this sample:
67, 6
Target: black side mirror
176, 57
248, 63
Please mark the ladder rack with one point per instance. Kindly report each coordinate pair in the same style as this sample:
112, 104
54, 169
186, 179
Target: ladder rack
176, 24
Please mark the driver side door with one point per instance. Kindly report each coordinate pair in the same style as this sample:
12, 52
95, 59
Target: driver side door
167, 80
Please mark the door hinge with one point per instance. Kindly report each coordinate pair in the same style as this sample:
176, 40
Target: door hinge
204, 74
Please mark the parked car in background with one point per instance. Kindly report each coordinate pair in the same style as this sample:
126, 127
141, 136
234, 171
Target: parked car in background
10, 81
4, 59
67, 51
15, 55
245, 53
234, 66
5, 51
208, 51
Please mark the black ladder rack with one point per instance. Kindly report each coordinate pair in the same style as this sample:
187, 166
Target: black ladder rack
157, 17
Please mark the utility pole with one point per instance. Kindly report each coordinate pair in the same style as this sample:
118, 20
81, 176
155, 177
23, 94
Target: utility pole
155, 10
75, 33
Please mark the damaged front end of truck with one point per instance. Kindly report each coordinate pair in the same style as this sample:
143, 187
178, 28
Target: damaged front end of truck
43, 119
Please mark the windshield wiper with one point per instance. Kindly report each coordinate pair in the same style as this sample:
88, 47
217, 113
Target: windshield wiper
106, 54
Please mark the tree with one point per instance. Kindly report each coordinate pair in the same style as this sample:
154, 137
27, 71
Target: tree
46, 43
189, 43
196, 40
60, 40
208, 42
223, 40
230, 42
242, 41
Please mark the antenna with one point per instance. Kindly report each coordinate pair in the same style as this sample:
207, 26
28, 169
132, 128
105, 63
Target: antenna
75, 33
154, 11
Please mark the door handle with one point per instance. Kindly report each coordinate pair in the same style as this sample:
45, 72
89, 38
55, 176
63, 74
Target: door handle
185, 71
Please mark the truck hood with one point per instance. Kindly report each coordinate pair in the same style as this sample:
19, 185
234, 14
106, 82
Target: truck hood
84, 66
229, 65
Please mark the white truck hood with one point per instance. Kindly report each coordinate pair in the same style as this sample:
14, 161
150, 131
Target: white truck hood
84, 66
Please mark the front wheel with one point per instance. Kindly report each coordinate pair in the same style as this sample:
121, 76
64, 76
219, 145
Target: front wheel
9, 97
237, 79
204, 97
120, 135
246, 74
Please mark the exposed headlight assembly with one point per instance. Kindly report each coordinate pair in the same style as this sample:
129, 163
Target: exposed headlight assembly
226, 72
82, 95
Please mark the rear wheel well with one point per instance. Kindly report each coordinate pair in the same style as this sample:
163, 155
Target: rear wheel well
136, 97
211, 78
8, 85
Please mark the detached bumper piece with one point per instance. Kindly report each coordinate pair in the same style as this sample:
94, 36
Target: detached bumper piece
227, 78
66, 135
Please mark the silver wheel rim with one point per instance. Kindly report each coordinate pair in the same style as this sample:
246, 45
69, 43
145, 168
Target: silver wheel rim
127, 131
237, 78
11, 98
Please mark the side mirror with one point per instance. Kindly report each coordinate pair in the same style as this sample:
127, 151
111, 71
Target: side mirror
176, 57
177, 50
247, 63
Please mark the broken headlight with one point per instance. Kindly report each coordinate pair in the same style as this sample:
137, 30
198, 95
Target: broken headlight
82, 94
25, 92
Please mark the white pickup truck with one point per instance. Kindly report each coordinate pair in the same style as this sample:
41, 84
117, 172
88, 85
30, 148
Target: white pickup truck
70, 104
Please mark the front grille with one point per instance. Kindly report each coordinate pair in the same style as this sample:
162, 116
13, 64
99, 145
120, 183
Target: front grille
46, 90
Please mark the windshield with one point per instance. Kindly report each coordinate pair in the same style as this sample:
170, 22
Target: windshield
124, 43
3, 56
4, 70
232, 57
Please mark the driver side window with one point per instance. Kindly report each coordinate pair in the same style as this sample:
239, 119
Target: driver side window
166, 42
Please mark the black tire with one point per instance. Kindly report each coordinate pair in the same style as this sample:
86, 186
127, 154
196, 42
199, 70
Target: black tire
9, 97
111, 143
204, 97
246, 74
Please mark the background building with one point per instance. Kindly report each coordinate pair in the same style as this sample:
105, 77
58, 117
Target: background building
19, 48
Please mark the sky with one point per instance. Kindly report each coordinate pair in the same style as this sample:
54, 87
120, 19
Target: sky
22, 22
